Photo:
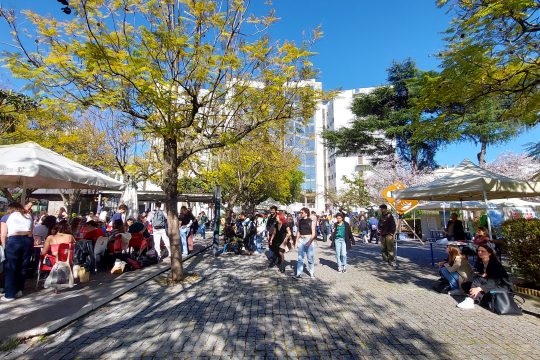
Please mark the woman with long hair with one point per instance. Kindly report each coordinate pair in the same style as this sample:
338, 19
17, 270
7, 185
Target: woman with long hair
61, 234
456, 270
18, 250
490, 275
281, 234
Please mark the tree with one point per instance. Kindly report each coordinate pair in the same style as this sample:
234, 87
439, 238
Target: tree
195, 74
492, 50
516, 166
257, 168
386, 121
354, 195
482, 122
388, 171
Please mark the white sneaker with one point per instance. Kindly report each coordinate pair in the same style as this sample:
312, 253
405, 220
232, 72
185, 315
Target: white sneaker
468, 303
455, 292
18, 294
311, 275
5, 299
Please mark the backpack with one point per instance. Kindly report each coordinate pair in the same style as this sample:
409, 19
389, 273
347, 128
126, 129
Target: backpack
158, 222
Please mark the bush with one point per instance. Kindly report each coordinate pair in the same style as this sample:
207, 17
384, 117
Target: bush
523, 243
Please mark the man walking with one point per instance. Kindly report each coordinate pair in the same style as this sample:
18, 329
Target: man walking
387, 229
158, 219
373, 228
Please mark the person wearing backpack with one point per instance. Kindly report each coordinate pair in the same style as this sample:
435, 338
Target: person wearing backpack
158, 219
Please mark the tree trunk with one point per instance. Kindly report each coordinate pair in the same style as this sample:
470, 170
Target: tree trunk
482, 154
70, 200
170, 187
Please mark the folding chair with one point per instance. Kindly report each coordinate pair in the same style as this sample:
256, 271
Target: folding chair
63, 250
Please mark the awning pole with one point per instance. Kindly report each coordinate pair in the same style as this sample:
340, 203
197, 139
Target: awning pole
487, 215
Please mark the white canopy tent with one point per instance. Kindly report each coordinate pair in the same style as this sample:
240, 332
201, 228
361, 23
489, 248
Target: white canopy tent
476, 205
29, 165
469, 182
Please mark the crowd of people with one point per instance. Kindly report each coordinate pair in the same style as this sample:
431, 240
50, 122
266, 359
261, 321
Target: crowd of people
28, 239
283, 232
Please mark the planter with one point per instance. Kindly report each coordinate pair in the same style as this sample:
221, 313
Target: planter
526, 291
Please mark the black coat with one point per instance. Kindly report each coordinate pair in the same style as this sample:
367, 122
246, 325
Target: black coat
349, 238
83, 255
496, 276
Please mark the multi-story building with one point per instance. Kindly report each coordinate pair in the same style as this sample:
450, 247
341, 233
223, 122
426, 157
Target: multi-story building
323, 168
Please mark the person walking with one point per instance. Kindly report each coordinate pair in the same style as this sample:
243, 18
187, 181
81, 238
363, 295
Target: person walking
363, 227
387, 229
373, 228
186, 220
202, 220
304, 240
261, 231
281, 234
342, 240
158, 219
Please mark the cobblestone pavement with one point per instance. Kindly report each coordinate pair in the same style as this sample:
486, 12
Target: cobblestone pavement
242, 309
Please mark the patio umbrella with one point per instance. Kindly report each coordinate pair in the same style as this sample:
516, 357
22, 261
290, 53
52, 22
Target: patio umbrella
29, 165
470, 182
130, 199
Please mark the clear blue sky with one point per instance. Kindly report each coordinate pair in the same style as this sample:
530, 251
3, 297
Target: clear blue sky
361, 39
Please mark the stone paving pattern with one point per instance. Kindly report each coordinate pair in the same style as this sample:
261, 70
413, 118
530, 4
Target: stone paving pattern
242, 309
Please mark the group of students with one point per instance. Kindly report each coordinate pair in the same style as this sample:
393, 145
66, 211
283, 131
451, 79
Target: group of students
461, 277
285, 232
488, 274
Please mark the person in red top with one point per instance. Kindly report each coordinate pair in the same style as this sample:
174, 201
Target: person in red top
92, 231
481, 237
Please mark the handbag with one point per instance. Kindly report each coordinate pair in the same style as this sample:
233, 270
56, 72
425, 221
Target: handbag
83, 274
502, 302
49, 260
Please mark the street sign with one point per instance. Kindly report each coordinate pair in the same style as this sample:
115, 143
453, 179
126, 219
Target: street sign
388, 192
401, 206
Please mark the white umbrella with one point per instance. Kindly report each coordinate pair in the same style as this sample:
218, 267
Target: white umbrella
129, 198
29, 165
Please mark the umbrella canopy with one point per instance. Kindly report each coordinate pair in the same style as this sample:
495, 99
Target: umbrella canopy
130, 199
470, 182
29, 165
476, 205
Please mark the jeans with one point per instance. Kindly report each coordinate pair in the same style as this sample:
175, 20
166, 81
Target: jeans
184, 233
258, 241
18, 253
373, 234
202, 230
302, 250
387, 247
341, 253
451, 277
161, 234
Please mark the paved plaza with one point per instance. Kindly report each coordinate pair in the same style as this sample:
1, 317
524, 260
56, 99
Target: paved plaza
242, 309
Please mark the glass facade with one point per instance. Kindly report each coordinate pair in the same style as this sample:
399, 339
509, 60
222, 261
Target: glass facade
302, 140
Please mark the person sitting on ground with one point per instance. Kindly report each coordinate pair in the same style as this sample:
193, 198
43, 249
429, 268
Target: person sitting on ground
61, 234
490, 275
456, 270
481, 237
92, 231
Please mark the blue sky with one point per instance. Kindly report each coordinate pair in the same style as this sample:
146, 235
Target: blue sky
361, 39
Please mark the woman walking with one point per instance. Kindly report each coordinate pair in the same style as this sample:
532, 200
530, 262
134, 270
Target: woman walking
281, 235
18, 250
342, 240
304, 240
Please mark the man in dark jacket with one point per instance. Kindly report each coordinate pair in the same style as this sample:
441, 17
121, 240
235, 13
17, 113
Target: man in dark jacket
387, 229
454, 229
